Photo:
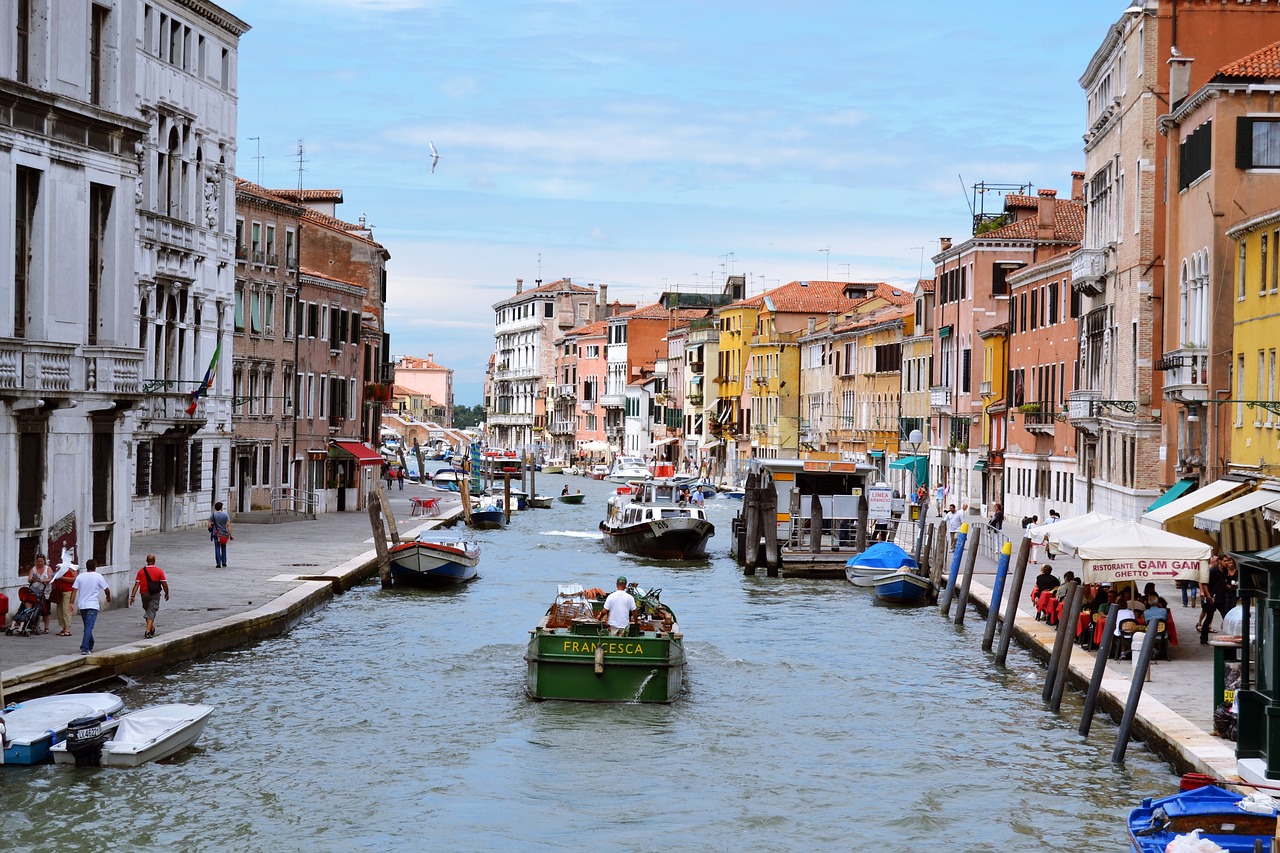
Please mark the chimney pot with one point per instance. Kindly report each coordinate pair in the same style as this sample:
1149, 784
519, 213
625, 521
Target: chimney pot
519, 285
944, 243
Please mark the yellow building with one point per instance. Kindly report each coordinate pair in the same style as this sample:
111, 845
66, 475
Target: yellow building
995, 403
1254, 412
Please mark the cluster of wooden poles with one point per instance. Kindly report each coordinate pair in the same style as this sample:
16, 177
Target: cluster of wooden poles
956, 591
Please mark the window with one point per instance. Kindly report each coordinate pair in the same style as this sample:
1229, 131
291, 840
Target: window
266, 465
1053, 303
226, 70
97, 35
548, 309
239, 312
256, 242
288, 316
99, 209
290, 249
31, 472
28, 184
269, 312
1194, 155
271, 245
255, 311
1240, 270
1262, 265
966, 368
1257, 143
24, 41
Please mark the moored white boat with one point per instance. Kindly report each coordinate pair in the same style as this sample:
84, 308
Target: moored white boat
149, 734
29, 729
435, 558
628, 468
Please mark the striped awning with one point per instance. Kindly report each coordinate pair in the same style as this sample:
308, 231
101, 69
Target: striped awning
1176, 516
1239, 523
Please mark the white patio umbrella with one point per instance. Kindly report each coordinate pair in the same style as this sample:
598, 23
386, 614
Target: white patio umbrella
1049, 534
1132, 551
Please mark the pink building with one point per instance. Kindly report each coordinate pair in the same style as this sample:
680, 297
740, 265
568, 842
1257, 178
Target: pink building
577, 421
431, 380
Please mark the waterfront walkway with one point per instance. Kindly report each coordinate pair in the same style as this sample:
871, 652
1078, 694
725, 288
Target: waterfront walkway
279, 573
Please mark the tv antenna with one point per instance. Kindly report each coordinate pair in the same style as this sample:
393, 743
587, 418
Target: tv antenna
827, 250
258, 156
301, 161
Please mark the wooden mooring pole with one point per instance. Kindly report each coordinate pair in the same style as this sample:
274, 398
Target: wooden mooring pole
1011, 601
751, 520
970, 557
1131, 705
380, 538
1071, 616
1099, 670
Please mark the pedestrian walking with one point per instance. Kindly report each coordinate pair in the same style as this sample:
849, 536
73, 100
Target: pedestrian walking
88, 586
151, 582
997, 515
1053, 518
1028, 522
220, 533
940, 497
400, 478
63, 579
954, 520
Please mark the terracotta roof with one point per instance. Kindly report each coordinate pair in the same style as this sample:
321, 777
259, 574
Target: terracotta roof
558, 286
253, 189
589, 330
412, 362
808, 297
1068, 225
926, 285
876, 317
1013, 200
304, 196
657, 311
1263, 64
305, 270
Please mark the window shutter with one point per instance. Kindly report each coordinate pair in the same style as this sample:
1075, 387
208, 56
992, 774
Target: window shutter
1244, 142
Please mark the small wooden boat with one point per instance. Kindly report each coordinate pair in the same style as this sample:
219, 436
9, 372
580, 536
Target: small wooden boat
553, 466
650, 520
488, 517
571, 654
541, 501
598, 472
1229, 820
29, 729
905, 586
149, 734
572, 499
519, 500
435, 558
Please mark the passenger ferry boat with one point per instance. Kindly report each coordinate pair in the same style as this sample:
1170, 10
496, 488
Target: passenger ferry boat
628, 468
649, 519
571, 654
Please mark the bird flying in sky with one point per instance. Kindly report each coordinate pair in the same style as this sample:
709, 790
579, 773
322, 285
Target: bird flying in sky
435, 156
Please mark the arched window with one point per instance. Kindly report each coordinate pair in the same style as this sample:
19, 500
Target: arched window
172, 176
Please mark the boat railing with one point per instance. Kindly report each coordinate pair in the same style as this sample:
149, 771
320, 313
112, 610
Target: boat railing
302, 502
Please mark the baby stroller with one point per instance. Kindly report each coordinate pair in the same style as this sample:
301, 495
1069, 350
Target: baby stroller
26, 621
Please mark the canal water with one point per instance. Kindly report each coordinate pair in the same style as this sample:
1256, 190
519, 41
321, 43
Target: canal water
814, 719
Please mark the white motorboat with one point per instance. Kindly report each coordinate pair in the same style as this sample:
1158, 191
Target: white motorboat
628, 468
29, 729
150, 734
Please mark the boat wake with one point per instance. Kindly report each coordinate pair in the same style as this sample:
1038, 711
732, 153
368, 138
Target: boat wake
574, 534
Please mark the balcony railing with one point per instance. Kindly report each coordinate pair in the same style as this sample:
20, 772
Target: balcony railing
568, 392
1083, 409
511, 420
1186, 374
258, 256
694, 399
613, 401
588, 405
272, 259
940, 397
1040, 420
55, 368
1089, 271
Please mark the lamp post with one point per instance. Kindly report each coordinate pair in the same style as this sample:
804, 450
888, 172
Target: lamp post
914, 439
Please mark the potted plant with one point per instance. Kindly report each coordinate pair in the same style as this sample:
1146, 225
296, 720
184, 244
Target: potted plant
1029, 407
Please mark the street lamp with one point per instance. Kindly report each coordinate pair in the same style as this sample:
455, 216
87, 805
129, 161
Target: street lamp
915, 438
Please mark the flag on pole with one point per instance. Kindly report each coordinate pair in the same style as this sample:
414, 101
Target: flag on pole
203, 388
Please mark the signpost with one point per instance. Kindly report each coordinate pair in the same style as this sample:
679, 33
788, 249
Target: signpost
879, 502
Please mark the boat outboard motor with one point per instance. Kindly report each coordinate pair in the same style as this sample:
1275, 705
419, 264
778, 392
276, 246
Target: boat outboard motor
85, 737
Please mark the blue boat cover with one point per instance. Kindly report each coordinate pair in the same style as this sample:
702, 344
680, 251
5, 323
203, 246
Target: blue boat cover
884, 555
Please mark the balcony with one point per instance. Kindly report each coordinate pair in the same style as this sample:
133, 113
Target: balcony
272, 259
525, 420
588, 405
1089, 271
523, 324
1186, 374
694, 399
1083, 407
563, 427
566, 392
258, 256
1041, 420
613, 401
697, 367
940, 398
52, 369
984, 389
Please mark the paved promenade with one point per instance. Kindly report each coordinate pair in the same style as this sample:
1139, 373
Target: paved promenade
272, 581
265, 561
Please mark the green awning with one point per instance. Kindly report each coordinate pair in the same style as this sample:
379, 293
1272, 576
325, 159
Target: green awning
876, 454
1176, 491
919, 464
980, 465
944, 332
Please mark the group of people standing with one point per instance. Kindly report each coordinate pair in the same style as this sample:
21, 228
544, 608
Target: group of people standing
69, 589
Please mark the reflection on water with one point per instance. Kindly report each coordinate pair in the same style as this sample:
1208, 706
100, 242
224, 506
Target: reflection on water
812, 720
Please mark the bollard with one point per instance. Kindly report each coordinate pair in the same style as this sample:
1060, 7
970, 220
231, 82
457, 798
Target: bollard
1011, 605
1059, 648
997, 592
950, 593
1143, 661
970, 557
1071, 616
1099, 669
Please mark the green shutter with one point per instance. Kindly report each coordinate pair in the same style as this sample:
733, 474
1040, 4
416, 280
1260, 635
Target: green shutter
1244, 142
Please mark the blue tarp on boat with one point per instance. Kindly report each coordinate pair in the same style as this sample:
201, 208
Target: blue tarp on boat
884, 555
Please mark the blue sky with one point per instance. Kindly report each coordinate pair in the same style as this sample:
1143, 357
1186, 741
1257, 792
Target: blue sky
654, 145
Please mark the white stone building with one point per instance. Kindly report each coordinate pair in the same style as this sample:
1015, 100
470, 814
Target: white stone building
184, 263
71, 369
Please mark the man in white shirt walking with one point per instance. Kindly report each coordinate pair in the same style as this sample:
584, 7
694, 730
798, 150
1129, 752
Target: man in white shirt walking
89, 584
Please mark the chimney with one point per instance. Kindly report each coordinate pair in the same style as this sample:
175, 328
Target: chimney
1077, 187
519, 285
831, 320
1044, 213
431, 356
1179, 78
944, 243
813, 325
604, 294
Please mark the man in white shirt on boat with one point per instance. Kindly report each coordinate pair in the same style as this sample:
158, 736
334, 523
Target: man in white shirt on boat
620, 607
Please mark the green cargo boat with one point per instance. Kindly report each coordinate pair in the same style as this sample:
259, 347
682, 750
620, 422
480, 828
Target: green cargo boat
572, 656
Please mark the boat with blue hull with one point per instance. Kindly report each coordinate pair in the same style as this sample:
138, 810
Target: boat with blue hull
29, 729
434, 559
1229, 820
905, 586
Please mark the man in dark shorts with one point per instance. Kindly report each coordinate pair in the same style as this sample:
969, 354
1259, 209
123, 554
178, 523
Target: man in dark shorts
151, 582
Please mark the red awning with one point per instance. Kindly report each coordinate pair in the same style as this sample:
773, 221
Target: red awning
364, 454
